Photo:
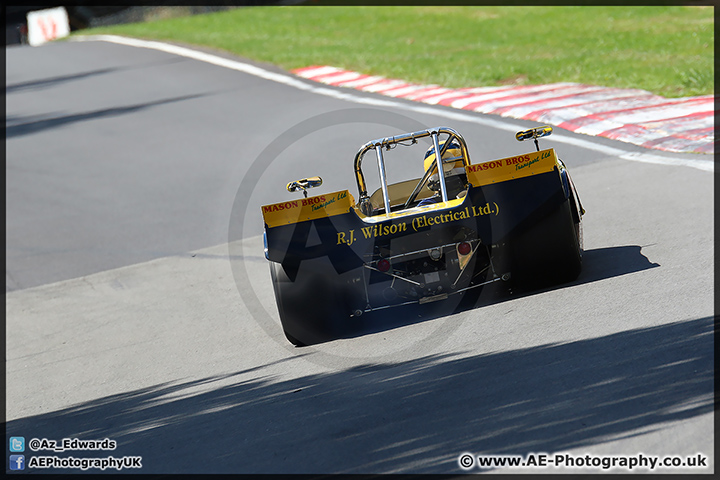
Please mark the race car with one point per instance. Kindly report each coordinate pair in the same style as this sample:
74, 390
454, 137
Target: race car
439, 237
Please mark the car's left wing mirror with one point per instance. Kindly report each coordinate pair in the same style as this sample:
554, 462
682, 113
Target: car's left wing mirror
304, 184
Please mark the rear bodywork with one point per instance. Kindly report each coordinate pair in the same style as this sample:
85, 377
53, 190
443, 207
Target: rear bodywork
386, 250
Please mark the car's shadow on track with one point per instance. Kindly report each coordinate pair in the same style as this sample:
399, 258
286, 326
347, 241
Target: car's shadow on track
604, 263
598, 264
405, 416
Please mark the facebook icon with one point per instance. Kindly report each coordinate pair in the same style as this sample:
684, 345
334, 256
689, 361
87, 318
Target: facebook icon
17, 462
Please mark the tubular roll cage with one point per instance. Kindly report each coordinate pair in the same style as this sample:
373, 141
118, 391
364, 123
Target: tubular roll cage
389, 142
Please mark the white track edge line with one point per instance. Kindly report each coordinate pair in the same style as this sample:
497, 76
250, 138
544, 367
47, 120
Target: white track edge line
295, 82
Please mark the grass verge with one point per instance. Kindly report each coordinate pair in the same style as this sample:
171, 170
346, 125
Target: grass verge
667, 50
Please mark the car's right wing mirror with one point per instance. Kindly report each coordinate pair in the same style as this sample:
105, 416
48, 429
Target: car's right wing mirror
534, 133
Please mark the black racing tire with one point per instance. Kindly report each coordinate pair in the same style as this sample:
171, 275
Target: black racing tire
310, 307
293, 340
549, 252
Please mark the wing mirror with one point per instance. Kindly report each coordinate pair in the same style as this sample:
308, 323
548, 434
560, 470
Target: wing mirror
534, 133
304, 184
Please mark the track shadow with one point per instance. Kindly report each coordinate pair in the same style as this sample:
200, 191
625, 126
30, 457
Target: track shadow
35, 126
60, 79
53, 81
415, 416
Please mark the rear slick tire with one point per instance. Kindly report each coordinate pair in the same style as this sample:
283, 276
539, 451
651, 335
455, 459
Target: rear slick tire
310, 307
549, 252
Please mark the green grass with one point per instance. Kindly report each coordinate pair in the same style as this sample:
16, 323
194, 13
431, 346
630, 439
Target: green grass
666, 50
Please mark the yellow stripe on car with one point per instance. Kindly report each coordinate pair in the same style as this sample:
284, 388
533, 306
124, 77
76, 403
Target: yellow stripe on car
510, 168
311, 208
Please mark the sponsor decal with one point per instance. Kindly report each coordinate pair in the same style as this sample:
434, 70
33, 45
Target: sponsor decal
512, 167
418, 223
484, 166
310, 208
431, 220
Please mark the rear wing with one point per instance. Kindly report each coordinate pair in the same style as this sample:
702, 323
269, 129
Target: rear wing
310, 208
510, 168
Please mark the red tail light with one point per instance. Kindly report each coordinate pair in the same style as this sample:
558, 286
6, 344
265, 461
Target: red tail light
464, 248
383, 265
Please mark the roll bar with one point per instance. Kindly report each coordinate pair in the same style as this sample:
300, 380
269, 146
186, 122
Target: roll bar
389, 142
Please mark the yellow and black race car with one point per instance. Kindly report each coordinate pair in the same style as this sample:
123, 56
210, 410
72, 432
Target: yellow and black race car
442, 236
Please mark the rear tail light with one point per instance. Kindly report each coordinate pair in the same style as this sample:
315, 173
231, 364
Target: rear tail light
383, 265
464, 248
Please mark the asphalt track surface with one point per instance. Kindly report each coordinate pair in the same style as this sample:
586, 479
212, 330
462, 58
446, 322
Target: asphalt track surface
139, 306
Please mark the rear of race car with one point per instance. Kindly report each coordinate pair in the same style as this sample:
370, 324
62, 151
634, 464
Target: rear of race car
518, 221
